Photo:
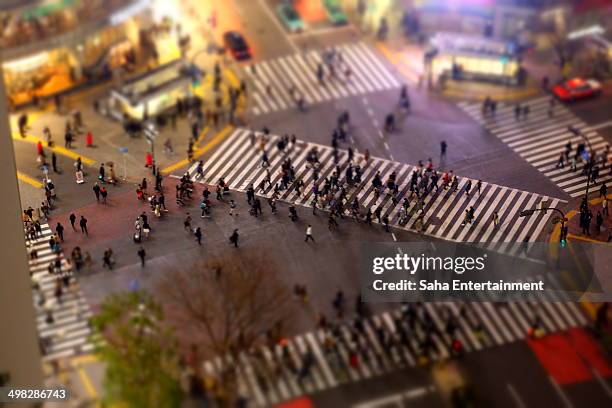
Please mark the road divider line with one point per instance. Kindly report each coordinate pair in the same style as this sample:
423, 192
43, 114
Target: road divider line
27, 179
200, 151
57, 149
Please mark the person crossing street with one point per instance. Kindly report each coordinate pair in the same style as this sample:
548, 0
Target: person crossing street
309, 234
142, 255
83, 225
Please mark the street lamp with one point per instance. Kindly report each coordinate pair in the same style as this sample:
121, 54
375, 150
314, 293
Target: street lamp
562, 219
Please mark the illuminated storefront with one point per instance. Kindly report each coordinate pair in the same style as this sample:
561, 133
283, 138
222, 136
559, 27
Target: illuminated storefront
155, 91
39, 75
86, 52
474, 58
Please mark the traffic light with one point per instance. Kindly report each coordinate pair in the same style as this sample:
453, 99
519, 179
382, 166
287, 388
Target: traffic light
563, 236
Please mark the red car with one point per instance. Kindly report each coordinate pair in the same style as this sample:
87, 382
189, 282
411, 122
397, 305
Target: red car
576, 88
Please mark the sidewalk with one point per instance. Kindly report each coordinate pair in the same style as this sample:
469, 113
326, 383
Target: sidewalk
575, 232
82, 376
109, 136
596, 237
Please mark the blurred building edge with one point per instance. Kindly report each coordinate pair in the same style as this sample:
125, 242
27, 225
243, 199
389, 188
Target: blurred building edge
48, 47
20, 360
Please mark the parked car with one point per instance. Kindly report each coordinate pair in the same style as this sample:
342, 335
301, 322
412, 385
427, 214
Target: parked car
290, 17
576, 88
334, 12
237, 45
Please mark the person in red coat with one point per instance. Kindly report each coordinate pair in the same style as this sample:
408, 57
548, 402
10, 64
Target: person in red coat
149, 160
39, 148
89, 139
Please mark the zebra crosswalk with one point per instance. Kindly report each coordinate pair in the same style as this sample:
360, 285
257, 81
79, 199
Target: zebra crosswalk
62, 323
384, 342
238, 162
272, 80
542, 137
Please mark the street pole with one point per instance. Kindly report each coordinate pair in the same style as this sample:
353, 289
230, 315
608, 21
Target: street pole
528, 212
124, 168
124, 151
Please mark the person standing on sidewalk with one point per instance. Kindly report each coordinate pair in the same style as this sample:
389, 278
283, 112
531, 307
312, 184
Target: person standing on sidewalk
142, 255
83, 225
309, 234
604, 206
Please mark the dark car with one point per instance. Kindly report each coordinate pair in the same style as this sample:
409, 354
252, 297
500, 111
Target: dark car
237, 45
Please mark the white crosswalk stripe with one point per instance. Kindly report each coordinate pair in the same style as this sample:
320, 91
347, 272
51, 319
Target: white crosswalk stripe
542, 137
62, 322
271, 80
388, 341
239, 163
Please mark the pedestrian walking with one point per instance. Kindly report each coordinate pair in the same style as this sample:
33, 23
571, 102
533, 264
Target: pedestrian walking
309, 234
103, 194
96, 190
561, 162
495, 219
234, 238
54, 163
525, 112
232, 206
443, 147
604, 206
72, 220
479, 186
187, 222
59, 228
198, 235
517, 111
142, 255
83, 225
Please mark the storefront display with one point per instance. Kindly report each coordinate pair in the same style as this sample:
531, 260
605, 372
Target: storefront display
468, 57
154, 92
